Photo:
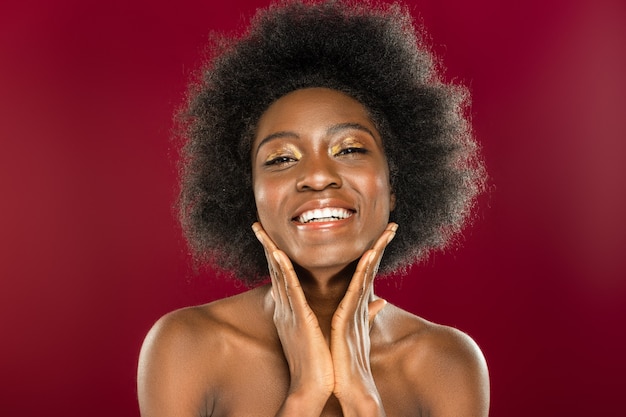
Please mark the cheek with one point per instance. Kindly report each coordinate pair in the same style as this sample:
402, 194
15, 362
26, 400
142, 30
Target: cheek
376, 186
260, 199
267, 200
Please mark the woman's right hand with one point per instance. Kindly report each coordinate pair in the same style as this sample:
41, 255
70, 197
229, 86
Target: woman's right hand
304, 345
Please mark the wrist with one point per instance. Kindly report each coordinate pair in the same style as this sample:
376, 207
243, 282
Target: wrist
303, 403
368, 405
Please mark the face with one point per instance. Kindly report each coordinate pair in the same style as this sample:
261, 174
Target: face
321, 180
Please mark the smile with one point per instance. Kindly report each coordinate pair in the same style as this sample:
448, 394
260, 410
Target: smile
328, 214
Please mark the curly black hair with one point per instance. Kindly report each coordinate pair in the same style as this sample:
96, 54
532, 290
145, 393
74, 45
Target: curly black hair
371, 52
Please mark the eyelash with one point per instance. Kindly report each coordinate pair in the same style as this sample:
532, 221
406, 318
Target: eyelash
352, 150
281, 160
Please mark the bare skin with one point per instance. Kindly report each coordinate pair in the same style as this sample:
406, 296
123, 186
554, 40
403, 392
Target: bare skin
226, 359
316, 341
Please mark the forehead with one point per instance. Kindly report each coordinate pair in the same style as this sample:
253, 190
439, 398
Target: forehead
309, 110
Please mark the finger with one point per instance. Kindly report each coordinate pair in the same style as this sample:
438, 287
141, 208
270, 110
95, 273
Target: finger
356, 289
269, 247
284, 278
360, 286
376, 251
385, 238
362, 269
262, 236
278, 280
278, 288
291, 284
379, 249
275, 291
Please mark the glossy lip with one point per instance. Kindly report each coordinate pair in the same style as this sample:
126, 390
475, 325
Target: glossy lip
322, 204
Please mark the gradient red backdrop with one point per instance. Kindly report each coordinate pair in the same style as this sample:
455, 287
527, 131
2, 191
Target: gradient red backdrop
91, 255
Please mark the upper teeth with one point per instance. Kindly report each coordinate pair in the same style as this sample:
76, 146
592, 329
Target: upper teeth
325, 214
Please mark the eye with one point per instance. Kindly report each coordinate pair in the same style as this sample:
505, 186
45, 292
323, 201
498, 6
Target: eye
279, 160
351, 150
349, 146
282, 156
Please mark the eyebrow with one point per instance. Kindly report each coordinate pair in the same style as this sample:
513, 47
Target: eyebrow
277, 135
331, 130
349, 126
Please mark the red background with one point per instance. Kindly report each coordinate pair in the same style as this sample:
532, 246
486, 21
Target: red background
91, 256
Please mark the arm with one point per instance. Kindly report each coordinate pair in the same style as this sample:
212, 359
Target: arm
169, 378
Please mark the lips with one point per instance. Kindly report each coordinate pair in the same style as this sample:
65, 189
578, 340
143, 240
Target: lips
326, 214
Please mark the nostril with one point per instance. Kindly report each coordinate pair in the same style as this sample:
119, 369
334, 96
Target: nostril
318, 177
317, 184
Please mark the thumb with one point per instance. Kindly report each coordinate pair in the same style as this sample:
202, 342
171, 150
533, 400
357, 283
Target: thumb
374, 308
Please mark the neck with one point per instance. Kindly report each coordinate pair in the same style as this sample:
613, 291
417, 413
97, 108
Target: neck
325, 286
324, 291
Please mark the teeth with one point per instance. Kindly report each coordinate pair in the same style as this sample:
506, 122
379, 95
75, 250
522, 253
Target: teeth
324, 215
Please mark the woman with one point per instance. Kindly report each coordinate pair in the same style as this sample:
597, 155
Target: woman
324, 127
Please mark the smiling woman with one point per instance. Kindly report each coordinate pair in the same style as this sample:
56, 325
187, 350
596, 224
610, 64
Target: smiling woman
323, 128
316, 149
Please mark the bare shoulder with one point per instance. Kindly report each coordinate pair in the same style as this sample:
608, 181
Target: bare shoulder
443, 365
178, 334
181, 360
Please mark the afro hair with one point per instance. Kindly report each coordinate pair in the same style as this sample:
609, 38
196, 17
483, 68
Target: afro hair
375, 54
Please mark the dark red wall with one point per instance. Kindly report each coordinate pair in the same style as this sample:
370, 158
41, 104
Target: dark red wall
90, 255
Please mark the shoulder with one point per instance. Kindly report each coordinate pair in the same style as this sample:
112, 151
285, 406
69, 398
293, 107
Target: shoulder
189, 329
445, 366
178, 333
168, 376
182, 357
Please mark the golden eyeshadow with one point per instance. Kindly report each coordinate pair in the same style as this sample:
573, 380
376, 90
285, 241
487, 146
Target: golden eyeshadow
346, 143
287, 150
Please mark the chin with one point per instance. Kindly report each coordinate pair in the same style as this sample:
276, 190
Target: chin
331, 264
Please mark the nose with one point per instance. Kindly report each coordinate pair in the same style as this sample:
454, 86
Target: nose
317, 174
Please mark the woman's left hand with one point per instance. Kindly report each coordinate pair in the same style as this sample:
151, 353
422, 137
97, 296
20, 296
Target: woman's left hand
350, 332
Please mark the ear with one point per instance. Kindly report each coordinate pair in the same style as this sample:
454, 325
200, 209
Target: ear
392, 201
